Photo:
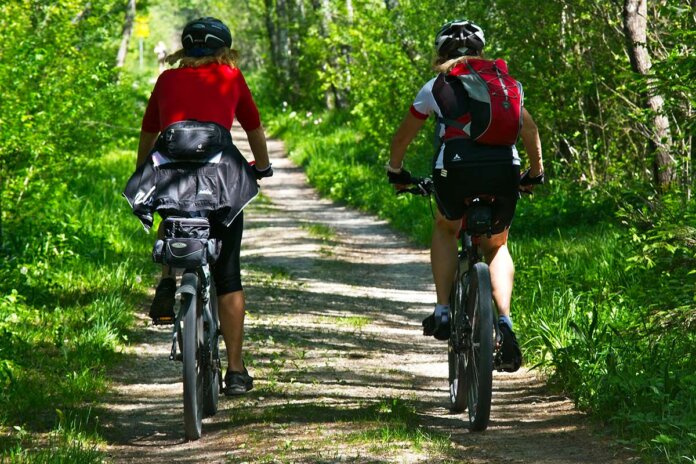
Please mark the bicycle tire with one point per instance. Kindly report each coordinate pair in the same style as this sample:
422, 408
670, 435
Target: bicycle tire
455, 348
193, 380
211, 378
479, 366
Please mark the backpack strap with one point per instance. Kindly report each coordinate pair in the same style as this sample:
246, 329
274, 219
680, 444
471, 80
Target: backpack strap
437, 140
452, 122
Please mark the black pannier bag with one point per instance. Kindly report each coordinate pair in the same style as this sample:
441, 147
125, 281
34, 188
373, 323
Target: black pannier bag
186, 243
192, 140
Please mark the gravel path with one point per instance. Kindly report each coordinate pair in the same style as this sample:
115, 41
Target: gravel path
335, 300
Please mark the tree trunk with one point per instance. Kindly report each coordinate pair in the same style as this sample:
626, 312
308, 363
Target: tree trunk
635, 27
126, 34
271, 30
82, 14
283, 35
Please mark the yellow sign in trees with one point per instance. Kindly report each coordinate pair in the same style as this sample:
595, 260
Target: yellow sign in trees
142, 26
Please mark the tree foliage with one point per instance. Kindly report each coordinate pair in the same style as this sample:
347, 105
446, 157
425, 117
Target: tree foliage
64, 283
572, 58
60, 97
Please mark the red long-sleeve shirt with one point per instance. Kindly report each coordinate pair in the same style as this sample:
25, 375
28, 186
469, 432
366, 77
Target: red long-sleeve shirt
213, 92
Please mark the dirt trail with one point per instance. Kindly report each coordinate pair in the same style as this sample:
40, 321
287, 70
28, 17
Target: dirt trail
342, 371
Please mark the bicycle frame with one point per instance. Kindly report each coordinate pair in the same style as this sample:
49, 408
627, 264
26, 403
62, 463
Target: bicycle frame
470, 247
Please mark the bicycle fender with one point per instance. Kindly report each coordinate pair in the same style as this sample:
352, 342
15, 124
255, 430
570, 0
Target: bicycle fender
189, 284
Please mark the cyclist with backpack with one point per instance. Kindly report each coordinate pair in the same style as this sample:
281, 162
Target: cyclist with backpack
203, 95
480, 115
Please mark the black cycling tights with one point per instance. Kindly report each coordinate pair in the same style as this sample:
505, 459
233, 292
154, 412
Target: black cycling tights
227, 270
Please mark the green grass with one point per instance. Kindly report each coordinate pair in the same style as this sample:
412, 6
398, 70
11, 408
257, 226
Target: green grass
320, 231
392, 423
379, 428
73, 440
354, 322
74, 274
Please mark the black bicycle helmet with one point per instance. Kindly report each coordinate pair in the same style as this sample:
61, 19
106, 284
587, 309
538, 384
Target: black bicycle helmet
458, 38
203, 36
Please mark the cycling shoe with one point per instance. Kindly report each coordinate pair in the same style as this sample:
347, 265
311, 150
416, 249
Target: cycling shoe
238, 383
437, 325
162, 308
511, 355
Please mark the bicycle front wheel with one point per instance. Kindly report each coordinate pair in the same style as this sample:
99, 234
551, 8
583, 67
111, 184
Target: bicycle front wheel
193, 378
479, 357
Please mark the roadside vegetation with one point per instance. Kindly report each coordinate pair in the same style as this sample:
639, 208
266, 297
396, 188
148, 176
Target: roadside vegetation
72, 267
605, 251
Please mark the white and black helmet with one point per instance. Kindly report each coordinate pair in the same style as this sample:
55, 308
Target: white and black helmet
203, 36
458, 38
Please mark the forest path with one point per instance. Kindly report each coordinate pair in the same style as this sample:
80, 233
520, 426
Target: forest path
343, 374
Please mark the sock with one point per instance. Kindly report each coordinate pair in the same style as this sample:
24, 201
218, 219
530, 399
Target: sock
505, 319
441, 309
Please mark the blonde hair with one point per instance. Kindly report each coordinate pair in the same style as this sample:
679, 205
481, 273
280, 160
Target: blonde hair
222, 55
445, 65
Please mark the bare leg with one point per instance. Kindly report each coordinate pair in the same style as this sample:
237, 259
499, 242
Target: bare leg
443, 255
231, 311
502, 270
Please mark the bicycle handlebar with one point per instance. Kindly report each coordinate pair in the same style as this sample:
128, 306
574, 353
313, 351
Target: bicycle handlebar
424, 186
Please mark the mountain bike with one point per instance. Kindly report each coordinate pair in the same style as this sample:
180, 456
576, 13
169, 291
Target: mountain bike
196, 333
474, 348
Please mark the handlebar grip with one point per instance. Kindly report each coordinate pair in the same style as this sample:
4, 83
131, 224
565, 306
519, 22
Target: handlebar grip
525, 178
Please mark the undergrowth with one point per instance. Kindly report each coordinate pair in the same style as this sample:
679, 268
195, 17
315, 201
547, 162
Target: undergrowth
70, 277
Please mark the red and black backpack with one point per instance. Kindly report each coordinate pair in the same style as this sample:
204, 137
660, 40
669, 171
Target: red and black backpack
479, 100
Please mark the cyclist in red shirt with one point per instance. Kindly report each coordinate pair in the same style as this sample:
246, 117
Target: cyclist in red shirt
484, 169
207, 86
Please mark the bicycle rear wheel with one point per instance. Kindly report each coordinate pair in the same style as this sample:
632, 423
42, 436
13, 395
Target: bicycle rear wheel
193, 375
479, 356
212, 376
456, 355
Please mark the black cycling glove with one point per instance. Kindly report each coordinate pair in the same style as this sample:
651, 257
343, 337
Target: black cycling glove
403, 177
525, 179
261, 173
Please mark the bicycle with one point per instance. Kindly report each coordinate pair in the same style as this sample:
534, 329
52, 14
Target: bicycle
474, 344
196, 332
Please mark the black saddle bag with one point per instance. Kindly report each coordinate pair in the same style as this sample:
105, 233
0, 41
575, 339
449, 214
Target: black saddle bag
186, 244
192, 140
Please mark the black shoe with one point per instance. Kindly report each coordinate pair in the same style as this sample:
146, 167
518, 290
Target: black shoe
511, 355
437, 327
238, 383
162, 308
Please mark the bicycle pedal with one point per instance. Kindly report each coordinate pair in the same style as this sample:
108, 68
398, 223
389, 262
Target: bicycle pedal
166, 320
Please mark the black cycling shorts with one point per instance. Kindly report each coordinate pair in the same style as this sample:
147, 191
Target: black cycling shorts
227, 269
499, 180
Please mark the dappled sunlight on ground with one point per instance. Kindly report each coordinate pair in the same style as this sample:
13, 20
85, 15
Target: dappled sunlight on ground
333, 339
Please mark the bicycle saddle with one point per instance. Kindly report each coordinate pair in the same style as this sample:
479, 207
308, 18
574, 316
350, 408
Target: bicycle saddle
478, 217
